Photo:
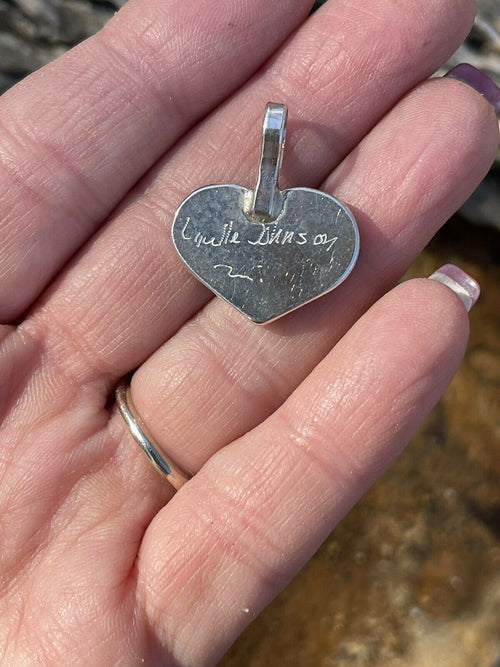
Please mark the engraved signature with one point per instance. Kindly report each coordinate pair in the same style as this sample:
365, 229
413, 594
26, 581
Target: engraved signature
271, 234
227, 237
230, 273
267, 235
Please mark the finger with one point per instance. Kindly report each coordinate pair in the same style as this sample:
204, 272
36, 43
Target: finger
221, 375
129, 291
236, 533
123, 97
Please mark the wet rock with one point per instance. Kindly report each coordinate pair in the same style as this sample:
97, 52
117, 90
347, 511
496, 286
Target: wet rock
34, 32
483, 208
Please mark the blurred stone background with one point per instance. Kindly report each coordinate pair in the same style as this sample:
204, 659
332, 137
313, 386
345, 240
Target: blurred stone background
411, 577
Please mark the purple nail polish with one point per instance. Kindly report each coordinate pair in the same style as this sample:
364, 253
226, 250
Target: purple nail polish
479, 81
464, 286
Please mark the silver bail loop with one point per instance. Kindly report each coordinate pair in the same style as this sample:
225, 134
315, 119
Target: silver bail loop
265, 204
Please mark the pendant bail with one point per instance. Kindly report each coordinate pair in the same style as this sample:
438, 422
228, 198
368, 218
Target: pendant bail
265, 200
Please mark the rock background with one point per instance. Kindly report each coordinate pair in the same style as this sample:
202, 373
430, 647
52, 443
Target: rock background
411, 578
34, 32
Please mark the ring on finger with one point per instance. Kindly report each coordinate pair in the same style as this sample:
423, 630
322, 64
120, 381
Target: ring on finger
139, 431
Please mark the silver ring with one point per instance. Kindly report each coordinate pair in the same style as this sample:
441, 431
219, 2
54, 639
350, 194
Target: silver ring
175, 475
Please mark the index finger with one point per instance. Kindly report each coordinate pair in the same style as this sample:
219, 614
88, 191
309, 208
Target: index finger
75, 136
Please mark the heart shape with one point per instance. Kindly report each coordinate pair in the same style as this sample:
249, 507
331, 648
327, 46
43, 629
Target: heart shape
266, 269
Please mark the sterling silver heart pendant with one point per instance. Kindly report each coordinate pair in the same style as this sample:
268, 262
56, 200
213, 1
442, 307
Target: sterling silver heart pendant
267, 251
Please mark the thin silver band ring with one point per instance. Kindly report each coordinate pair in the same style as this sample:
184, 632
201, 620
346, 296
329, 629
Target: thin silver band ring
175, 475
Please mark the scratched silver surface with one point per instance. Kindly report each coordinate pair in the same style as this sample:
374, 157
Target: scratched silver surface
266, 269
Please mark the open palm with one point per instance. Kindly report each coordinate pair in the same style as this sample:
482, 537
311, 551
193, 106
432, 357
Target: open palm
286, 425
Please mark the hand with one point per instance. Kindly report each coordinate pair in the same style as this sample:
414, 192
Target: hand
284, 426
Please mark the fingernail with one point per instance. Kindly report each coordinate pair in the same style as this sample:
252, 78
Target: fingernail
479, 81
464, 286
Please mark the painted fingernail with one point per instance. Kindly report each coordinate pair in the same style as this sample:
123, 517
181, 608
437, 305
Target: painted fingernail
460, 282
479, 81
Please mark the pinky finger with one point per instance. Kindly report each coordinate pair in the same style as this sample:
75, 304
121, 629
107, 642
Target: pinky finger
232, 538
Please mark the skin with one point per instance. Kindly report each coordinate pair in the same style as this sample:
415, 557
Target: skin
284, 426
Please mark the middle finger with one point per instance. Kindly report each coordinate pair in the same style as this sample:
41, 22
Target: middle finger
128, 292
221, 374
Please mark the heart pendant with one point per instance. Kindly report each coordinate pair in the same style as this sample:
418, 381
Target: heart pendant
268, 251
